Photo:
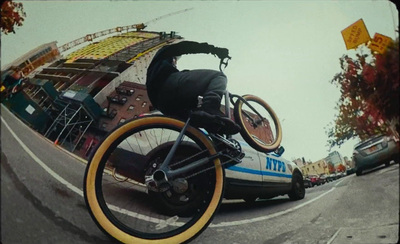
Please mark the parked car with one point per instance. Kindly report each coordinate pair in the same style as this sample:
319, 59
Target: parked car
307, 182
331, 177
350, 171
323, 178
375, 151
315, 180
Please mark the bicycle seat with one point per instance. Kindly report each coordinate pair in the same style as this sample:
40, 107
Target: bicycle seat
214, 123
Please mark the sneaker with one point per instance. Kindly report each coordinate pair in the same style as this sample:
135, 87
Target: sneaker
214, 123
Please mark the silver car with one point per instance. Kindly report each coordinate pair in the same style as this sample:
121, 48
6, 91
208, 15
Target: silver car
375, 151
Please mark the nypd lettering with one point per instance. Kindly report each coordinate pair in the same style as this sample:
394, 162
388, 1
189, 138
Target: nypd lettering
275, 165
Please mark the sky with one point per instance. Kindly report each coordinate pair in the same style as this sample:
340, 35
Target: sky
285, 52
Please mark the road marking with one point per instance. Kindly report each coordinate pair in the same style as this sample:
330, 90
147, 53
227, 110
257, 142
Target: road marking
334, 236
222, 224
274, 215
42, 164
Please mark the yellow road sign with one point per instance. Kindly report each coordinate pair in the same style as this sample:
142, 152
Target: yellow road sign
355, 35
380, 43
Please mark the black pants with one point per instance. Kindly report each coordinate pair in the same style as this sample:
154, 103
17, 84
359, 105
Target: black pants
179, 93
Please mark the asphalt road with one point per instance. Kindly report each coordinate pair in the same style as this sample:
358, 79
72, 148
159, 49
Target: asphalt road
41, 202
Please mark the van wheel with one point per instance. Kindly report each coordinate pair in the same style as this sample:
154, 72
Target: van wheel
298, 191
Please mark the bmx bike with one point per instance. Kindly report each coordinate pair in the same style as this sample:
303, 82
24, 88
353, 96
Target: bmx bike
157, 179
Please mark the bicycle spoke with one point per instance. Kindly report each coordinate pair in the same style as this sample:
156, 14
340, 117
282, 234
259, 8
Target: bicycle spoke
123, 199
261, 128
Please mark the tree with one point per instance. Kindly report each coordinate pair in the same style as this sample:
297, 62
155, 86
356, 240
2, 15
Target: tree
369, 101
331, 168
341, 168
12, 14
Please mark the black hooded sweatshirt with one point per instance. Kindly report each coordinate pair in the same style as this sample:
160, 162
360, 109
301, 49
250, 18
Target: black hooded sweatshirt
161, 67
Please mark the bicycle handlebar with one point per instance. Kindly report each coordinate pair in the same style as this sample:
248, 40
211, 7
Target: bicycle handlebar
223, 62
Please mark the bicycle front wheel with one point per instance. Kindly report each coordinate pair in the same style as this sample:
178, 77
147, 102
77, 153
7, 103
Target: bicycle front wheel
126, 209
260, 125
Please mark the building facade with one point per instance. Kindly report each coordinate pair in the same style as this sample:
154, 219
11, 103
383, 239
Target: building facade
80, 97
299, 162
76, 99
335, 158
317, 168
34, 59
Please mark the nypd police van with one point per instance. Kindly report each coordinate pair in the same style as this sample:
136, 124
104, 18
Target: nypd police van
263, 175
258, 175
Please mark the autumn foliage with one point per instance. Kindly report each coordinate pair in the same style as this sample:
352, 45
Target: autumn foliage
370, 93
341, 168
331, 168
12, 14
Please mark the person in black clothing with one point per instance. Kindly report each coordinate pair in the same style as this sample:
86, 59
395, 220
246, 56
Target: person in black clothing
14, 77
13, 82
176, 93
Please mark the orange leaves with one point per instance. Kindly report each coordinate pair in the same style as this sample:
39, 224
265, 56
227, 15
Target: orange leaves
370, 91
369, 74
12, 14
341, 168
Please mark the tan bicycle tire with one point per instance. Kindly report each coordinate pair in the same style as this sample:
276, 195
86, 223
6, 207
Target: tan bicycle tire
239, 118
117, 233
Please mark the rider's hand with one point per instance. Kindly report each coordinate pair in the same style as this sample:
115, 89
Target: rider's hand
221, 52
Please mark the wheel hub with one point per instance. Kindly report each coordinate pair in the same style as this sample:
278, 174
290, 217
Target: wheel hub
180, 185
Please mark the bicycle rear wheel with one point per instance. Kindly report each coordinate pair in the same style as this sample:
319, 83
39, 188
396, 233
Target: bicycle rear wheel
123, 206
260, 125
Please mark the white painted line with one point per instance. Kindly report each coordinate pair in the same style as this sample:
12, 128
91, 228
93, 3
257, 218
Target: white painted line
42, 164
270, 216
334, 236
222, 224
75, 189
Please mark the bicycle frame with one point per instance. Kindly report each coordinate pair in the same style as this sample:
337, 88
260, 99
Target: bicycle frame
163, 174
159, 179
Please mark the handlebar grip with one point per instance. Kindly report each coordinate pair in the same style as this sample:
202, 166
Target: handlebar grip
225, 63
